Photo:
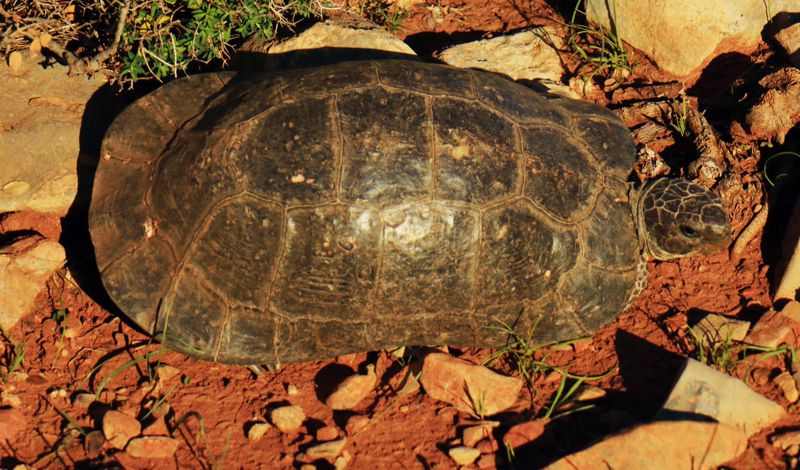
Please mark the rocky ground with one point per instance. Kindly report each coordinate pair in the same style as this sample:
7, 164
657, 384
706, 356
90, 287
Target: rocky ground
708, 95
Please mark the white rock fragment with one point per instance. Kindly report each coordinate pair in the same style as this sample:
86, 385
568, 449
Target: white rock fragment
528, 55
464, 455
257, 430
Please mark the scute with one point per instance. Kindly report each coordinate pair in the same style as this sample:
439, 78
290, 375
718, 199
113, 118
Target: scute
299, 84
249, 333
434, 79
596, 296
286, 155
386, 146
610, 231
610, 143
477, 153
520, 103
521, 257
561, 177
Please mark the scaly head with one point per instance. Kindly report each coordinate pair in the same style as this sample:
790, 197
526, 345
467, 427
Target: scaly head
677, 218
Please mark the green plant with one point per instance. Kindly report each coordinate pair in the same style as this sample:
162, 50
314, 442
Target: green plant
679, 114
601, 51
383, 12
13, 356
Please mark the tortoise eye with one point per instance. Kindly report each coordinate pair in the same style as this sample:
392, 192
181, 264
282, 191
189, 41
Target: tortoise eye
689, 231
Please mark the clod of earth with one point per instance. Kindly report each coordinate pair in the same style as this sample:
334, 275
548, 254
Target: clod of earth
119, 428
471, 435
287, 418
352, 390
469, 387
152, 447
166, 372
704, 391
523, 433
93, 443
662, 444
13, 421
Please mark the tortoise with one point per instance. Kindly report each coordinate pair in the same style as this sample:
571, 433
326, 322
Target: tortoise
304, 214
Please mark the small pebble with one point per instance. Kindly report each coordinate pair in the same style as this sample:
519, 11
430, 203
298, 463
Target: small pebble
761, 375
287, 418
291, 390
464, 455
257, 430
10, 399
327, 450
404, 408
152, 447
83, 400
166, 372
119, 428
340, 463
786, 382
327, 433
356, 423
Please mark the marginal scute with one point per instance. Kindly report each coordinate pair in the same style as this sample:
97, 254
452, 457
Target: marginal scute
521, 257
305, 339
242, 99
139, 280
597, 296
517, 101
192, 317
330, 263
428, 259
241, 233
610, 143
477, 154
249, 333
287, 154
435, 79
610, 232
561, 177
192, 177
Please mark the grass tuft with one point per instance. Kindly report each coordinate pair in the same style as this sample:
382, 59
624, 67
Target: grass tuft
601, 51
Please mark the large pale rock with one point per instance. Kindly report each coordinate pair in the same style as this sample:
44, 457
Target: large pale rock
704, 391
684, 35
352, 390
662, 444
528, 55
469, 387
333, 33
25, 266
40, 125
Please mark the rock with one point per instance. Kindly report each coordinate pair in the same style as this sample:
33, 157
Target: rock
488, 446
681, 36
469, 387
152, 447
487, 461
14, 422
40, 127
788, 267
340, 463
787, 440
165, 372
10, 399
25, 266
775, 328
356, 423
705, 391
327, 450
520, 434
157, 428
93, 442
588, 392
789, 39
471, 435
326, 433
715, 328
119, 428
352, 390
257, 430
464, 455
777, 110
761, 375
287, 418
662, 444
83, 400
291, 390
785, 381
529, 55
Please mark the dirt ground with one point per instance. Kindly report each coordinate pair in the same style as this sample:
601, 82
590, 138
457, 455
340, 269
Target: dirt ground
211, 404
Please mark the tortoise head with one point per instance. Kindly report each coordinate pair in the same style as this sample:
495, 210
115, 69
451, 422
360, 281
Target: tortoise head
677, 218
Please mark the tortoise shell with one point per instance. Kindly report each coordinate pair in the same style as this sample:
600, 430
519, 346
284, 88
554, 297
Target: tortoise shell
290, 216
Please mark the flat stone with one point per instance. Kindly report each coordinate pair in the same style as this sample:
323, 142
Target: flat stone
464, 455
469, 387
164, 372
775, 328
662, 444
257, 430
587, 392
522, 433
152, 447
705, 391
326, 433
40, 130
789, 39
714, 328
528, 55
471, 435
25, 266
682, 36
327, 450
287, 418
119, 428
352, 390
93, 442
786, 382
83, 400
